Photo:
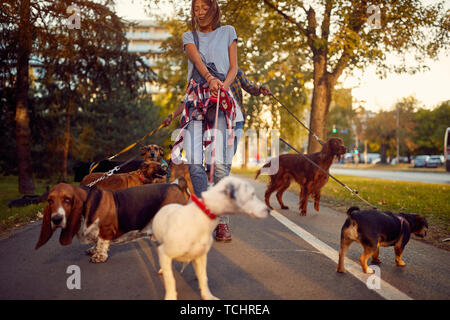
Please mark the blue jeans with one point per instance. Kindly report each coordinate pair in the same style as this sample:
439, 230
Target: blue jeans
239, 129
193, 146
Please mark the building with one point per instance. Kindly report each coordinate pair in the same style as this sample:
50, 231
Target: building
145, 38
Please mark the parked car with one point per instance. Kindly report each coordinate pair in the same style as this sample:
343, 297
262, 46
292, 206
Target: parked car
433, 162
372, 158
421, 161
401, 160
348, 158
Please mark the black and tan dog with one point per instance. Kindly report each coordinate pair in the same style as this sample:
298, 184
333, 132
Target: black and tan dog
374, 229
104, 217
180, 171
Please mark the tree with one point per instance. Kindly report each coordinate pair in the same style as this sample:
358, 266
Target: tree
405, 110
72, 68
381, 131
26, 184
344, 40
341, 117
430, 129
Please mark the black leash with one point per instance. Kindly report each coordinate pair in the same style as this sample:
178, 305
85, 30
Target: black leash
293, 115
353, 192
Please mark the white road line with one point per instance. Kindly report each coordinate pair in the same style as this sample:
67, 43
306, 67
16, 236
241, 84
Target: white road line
386, 290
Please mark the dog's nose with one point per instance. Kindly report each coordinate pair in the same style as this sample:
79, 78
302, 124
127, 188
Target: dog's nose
57, 219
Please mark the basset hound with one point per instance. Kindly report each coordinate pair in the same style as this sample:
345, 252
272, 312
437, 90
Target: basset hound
149, 172
104, 217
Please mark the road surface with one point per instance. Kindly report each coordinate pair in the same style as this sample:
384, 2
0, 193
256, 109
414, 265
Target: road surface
285, 256
428, 177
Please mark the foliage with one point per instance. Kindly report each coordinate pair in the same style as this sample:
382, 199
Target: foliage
87, 96
431, 126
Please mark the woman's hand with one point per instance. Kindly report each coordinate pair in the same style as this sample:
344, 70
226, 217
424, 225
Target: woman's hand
265, 91
214, 84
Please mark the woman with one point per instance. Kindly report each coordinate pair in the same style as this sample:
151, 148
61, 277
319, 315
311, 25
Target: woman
212, 67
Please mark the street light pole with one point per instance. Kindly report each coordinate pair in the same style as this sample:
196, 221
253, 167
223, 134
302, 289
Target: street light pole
398, 134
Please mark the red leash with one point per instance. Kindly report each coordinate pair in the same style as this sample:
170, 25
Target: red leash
213, 151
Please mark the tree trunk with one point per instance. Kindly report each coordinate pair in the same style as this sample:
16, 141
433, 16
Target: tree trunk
69, 111
320, 103
23, 132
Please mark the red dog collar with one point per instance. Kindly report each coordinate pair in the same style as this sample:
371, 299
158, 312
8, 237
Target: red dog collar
144, 181
202, 207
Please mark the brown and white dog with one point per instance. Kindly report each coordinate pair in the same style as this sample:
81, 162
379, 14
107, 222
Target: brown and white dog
103, 216
310, 178
184, 233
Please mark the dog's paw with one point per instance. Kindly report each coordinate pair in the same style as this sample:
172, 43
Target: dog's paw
341, 270
98, 258
90, 251
210, 297
170, 296
369, 270
400, 263
284, 208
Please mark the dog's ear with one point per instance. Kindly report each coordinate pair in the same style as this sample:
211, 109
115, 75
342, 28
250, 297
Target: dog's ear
46, 229
73, 220
144, 150
161, 151
326, 149
230, 191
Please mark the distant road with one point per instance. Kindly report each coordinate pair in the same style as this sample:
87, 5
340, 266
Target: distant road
428, 177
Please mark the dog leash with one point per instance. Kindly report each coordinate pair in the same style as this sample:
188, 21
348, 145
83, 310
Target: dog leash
213, 151
110, 172
353, 192
131, 146
293, 115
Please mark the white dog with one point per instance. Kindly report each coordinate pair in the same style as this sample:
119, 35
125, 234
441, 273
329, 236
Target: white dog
185, 232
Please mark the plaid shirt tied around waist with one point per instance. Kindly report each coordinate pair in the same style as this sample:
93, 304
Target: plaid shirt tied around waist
197, 98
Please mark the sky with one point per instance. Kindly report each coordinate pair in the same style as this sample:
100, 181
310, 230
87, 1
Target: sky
430, 87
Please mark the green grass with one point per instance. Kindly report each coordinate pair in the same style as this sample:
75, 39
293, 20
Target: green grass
10, 217
430, 200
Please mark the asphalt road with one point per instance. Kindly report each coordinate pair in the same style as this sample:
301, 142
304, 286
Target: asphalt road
428, 177
282, 257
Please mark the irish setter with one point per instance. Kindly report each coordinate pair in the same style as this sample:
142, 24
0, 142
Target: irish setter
309, 177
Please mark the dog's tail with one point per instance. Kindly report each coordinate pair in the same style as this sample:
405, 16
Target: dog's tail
259, 171
351, 209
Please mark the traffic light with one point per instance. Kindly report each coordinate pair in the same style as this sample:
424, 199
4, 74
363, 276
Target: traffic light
355, 151
334, 128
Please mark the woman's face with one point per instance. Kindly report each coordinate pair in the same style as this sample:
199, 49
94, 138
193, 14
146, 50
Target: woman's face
201, 8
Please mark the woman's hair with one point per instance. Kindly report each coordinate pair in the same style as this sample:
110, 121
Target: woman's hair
213, 13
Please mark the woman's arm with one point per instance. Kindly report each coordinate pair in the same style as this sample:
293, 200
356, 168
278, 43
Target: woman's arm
232, 71
194, 56
173, 115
